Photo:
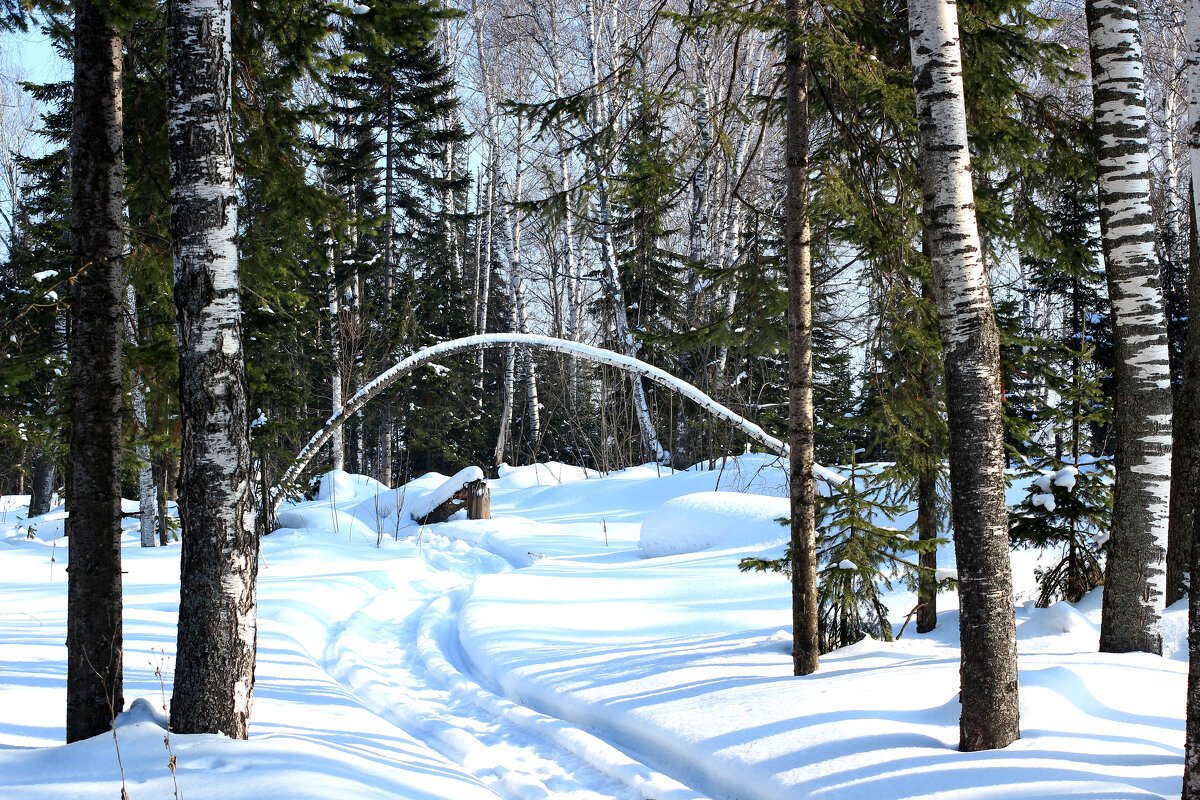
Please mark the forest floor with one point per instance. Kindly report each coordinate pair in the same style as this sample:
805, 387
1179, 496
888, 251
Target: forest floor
593, 640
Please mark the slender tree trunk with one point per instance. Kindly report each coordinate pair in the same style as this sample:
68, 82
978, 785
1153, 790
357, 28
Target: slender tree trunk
928, 522
610, 279
137, 399
731, 234
386, 426
164, 532
338, 445
214, 673
1135, 578
806, 647
94, 634
971, 340
1185, 444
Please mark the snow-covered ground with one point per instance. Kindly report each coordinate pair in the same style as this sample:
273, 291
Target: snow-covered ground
564, 649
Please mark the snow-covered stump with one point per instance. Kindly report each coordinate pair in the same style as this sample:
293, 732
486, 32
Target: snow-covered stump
453, 496
479, 500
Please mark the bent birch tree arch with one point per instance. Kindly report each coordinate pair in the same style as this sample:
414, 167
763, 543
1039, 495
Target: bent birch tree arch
493, 340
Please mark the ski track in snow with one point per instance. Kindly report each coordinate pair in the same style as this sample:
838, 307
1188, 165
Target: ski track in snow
400, 655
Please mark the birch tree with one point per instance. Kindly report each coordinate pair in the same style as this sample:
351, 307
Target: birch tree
1189, 394
214, 675
94, 632
1134, 583
971, 338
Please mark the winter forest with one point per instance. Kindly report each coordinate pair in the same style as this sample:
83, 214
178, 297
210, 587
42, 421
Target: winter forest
641, 399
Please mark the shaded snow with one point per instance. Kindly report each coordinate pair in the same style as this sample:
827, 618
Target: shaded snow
540, 655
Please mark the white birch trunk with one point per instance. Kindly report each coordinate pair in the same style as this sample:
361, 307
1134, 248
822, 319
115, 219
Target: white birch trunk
1135, 578
731, 233
610, 279
335, 350
971, 340
214, 675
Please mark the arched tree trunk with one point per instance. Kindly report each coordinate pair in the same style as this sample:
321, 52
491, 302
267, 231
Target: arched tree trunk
598, 355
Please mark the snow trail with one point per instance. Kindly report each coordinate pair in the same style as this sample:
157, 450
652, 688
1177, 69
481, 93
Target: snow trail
399, 653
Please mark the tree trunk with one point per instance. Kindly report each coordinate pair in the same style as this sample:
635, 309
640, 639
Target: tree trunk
1189, 395
806, 646
610, 279
1134, 580
94, 634
386, 421
43, 483
928, 523
214, 674
137, 399
1185, 444
335, 351
971, 338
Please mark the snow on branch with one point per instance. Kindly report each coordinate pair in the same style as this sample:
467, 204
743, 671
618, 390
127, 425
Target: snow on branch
493, 340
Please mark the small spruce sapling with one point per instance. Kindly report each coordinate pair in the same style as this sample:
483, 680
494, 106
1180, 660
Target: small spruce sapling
859, 560
1068, 507
1069, 501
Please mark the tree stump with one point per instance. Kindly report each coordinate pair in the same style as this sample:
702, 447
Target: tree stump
479, 500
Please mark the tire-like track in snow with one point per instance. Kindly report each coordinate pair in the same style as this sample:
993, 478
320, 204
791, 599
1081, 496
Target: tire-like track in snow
399, 653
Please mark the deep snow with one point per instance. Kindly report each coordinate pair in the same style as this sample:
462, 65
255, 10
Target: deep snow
563, 649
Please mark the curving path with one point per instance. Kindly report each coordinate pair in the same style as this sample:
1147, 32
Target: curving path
399, 654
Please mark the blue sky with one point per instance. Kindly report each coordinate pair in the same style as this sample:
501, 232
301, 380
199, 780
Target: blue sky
32, 53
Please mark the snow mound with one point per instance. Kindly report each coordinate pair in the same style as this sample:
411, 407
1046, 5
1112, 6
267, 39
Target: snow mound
703, 520
549, 474
1060, 628
342, 487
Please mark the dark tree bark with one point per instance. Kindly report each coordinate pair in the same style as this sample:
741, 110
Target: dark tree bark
1185, 444
971, 339
44, 472
1188, 395
94, 637
928, 522
214, 675
1134, 576
927, 530
806, 647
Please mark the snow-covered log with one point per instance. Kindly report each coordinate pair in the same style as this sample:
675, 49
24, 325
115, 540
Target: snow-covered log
493, 340
442, 495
